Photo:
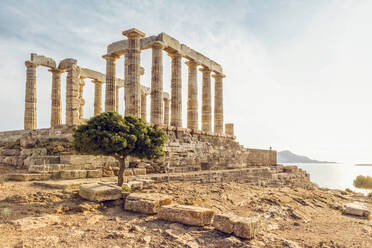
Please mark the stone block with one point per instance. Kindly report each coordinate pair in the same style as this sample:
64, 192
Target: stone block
290, 169
135, 185
356, 208
28, 177
224, 222
139, 171
72, 174
146, 203
128, 172
94, 173
246, 227
190, 215
100, 192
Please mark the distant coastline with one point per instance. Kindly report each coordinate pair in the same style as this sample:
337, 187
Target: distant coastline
290, 157
363, 165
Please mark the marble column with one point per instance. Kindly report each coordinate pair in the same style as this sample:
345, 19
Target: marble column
176, 90
110, 94
144, 106
206, 100
166, 111
157, 83
132, 77
56, 109
72, 96
116, 99
82, 101
218, 103
30, 97
97, 97
192, 98
229, 129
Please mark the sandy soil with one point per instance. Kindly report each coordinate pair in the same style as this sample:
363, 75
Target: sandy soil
291, 218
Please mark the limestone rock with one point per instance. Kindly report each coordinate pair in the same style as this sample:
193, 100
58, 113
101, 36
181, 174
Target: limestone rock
224, 223
190, 215
356, 208
100, 192
29, 223
146, 203
246, 227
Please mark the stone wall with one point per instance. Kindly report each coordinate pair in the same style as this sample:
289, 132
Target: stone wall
185, 151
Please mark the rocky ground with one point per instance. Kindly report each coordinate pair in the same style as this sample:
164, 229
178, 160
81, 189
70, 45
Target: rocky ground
33, 216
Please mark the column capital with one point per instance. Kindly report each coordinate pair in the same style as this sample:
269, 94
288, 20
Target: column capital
158, 44
175, 54
133, 32
55, 71
95, 81
111, 56
205, 70
218, 75
191, 63
30, 64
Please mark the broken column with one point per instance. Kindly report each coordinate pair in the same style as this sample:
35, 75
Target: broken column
166, 111
206, 100
192, 98
56, 110
30, 98
218, 103
157, 83
97, 97
132, 77
176, 90
110, 95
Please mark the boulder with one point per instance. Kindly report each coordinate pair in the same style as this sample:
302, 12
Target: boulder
100, 192
246, 227
356, 208
190, 215
148, 203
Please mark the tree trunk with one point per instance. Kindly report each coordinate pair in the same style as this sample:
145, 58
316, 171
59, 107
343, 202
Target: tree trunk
121, 171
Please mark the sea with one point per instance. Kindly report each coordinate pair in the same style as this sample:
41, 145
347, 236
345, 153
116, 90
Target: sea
335, 176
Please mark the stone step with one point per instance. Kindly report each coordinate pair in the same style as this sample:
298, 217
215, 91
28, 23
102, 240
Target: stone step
10, 152
29, 176
78, 174
52, 167
12, 160
41, 160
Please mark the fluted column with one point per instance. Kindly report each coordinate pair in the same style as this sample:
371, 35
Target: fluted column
176, 90
218, 103
133, 64
97, 97
30, 97
56, 110
110, 94
206, 100
82, 101
157, 83
144, 106
116, 99
192, 98
72, 96
166, 111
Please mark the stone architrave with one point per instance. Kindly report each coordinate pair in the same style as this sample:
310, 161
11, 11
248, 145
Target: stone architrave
82, 101
206, 100
72, 96
157, 83
218, 103
144, 106
132, 77
30, 97
97, 97
56, 110
110, 94
176, 90
166, 111
192, 98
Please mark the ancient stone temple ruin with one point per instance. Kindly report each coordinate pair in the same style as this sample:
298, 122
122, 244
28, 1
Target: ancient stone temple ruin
47, 153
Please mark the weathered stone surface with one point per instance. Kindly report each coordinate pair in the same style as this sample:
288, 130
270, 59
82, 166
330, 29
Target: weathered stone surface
146, 203
356, 208
100, 192
29, 223
28, 176
246, 227
224, 223
72, 174
190, 215
94, 173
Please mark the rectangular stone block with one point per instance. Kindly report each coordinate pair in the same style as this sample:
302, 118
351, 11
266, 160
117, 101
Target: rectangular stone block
100, 192
72, 174
146, 203
94, 173
224, 223
139, 171
190, 215
246, 228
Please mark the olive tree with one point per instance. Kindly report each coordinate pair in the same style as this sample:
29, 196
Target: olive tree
110, 134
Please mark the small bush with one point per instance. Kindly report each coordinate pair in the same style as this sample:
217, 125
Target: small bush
125, 188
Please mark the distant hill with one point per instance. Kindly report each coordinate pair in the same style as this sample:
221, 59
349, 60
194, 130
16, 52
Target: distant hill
289, 157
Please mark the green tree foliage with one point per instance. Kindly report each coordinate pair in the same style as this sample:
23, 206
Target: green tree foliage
363, 182
111, 134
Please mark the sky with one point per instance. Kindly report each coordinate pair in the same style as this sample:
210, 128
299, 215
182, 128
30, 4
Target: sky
298, 73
